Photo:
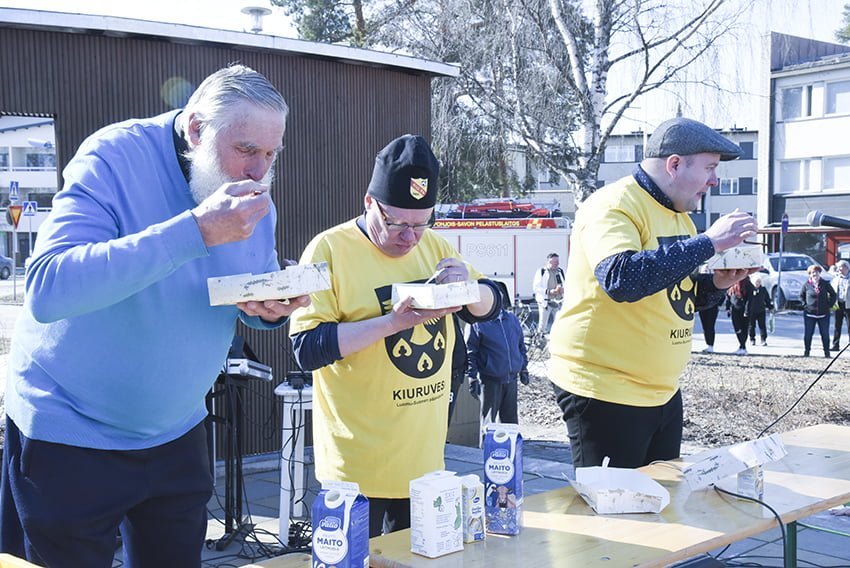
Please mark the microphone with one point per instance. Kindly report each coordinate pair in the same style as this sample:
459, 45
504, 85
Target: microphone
818, 219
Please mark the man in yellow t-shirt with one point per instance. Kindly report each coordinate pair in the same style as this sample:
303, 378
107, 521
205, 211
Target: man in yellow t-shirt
382, 371
623, 336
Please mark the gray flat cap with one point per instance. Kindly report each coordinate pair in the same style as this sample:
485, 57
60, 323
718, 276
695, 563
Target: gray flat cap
684, 137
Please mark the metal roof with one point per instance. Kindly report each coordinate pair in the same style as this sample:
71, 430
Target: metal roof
123, 27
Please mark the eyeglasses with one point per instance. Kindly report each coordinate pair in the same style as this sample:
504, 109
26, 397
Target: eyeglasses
401, 227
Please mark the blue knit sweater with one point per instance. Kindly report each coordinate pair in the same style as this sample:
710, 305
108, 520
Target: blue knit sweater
117, 344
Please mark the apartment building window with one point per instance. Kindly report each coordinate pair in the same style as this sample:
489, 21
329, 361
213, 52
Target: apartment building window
615, 153
748, 148
43, 196
838, 97
4, 159
792, 102
800, 175
836, 173
729, 186
789, 176
41, 160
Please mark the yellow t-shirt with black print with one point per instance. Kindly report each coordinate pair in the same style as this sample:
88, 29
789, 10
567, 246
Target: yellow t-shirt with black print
625, 353
379, 415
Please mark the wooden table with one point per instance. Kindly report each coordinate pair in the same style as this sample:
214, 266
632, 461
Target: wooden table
559, 529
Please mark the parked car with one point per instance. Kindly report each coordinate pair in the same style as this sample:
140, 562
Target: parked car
5, 267
794, 266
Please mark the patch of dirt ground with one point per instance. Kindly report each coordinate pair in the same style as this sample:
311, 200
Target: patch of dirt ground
727, 398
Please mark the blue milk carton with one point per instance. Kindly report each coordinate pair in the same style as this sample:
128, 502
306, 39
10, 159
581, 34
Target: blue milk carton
503, 478
340, 527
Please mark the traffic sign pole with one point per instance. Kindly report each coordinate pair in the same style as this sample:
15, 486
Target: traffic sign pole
30, 208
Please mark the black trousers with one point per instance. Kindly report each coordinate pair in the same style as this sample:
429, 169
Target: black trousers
741, 325
499, 402
631, 436
61, 505
841, 316
388, 515
760, 320
707, 319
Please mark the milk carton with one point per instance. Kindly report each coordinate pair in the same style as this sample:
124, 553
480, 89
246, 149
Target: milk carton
503, 478
435, 514
340, 527
472, 508
751, 482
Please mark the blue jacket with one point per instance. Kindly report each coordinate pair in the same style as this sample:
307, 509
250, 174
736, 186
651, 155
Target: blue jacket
117, 344
496, 349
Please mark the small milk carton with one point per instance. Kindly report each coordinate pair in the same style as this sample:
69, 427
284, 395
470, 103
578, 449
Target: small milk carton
472, 507
340, 526
435, 514
503, 478
751, 482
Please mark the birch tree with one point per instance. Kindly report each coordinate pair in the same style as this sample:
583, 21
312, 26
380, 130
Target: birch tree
539, 70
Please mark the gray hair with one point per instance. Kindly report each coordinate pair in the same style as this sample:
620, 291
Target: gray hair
842, 263
216, 96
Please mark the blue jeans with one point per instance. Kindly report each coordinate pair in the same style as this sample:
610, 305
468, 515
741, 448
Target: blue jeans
809, 323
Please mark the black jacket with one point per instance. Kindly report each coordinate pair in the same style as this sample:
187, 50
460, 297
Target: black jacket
817, 303
758, 301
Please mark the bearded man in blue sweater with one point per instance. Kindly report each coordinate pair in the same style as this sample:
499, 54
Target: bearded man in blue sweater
117, 344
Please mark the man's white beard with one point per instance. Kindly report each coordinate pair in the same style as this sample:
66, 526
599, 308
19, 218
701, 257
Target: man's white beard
206, 174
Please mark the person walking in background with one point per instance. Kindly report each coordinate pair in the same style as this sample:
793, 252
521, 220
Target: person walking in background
817, 298
840, 283
548, 286
497, 358
736, 306
757, 305
708, 319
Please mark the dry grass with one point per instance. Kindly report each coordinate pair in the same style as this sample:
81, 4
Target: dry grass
727, 398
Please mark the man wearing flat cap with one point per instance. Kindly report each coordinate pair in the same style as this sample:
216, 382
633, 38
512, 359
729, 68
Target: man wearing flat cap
382, 372
623, 336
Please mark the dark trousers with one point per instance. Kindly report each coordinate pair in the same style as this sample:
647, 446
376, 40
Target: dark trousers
760, 320
707, 319
388, 515
499, 402
632, 436
841, 316
809, 324
62, 505
741, 326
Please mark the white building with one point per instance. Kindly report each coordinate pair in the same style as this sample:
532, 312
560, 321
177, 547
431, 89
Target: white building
806, 163
28, 161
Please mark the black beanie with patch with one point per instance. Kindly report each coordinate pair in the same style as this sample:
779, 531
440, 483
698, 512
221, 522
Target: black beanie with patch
405, 174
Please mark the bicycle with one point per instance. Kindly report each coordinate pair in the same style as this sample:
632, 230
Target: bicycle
536, 344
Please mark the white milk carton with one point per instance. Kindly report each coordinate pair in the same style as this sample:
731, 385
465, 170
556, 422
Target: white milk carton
503, 478
435, 514
751, 482
472, 507
340, 526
